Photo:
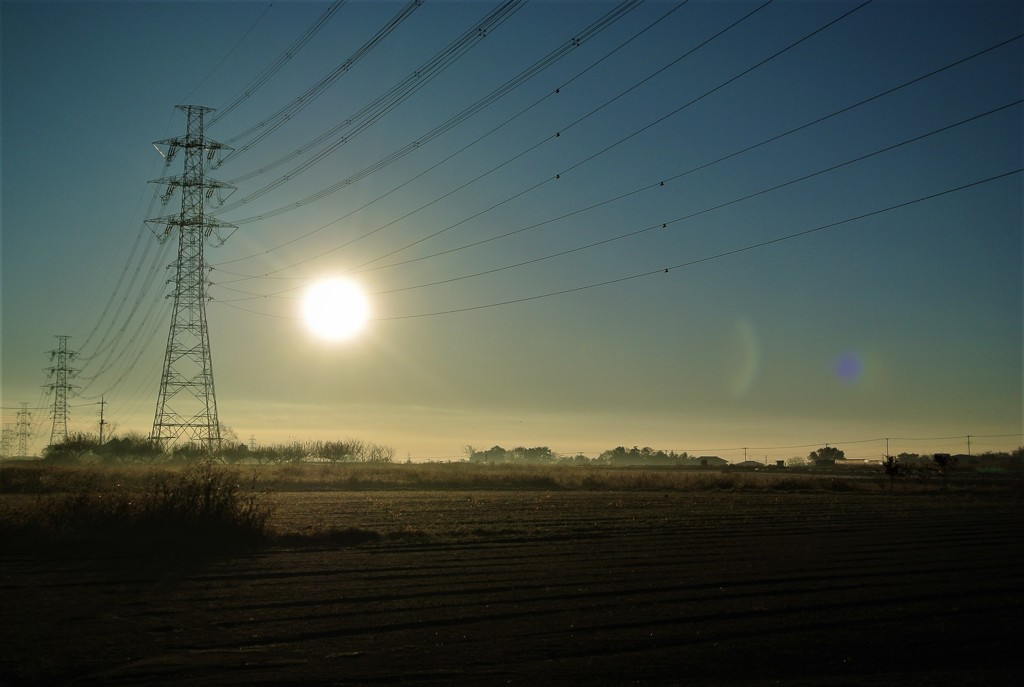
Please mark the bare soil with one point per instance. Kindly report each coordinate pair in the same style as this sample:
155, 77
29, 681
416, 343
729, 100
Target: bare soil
553, 588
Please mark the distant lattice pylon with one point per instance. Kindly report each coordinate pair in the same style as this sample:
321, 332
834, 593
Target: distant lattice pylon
7, 441
60, 372
186, 408
24, 428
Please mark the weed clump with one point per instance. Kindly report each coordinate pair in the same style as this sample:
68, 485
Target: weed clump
201, 508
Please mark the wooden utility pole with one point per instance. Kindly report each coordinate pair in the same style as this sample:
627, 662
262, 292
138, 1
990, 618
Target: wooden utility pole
102, 421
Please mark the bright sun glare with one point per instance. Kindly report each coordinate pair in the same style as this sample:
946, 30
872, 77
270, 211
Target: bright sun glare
335, 309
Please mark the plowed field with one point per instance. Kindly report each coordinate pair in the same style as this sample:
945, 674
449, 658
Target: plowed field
535, 588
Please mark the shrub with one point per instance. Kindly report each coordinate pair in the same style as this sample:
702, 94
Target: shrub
201, 508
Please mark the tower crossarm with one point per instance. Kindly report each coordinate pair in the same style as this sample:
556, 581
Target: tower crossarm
191, 222
181, 180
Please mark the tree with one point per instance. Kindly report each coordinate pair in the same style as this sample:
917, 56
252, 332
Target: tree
234, 453
133, 446
578, 459
495, 454
944, 461
347, 451
893, 468
375, 453
71, 448
826, 454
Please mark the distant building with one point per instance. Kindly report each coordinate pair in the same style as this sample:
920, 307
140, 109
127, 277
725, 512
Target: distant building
858, 462
748, 465
711, 461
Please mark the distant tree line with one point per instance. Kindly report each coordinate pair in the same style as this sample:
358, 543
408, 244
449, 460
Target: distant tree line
496, 455
135, 447
618, 456
346, 451
904, 463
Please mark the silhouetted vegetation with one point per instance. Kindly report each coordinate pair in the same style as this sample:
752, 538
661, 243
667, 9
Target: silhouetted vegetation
893, 469
138, 448
347, 451
203, 506
826, 455
209, 507
39, 478
496, 455
131, 447
619, 456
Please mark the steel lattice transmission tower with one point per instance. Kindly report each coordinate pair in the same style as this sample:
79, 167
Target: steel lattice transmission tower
7, 441
24, 428
60, 371
186, 407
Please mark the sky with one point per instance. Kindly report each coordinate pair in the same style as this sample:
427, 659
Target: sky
726, 228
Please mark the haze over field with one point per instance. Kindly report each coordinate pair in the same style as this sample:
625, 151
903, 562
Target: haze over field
697, 226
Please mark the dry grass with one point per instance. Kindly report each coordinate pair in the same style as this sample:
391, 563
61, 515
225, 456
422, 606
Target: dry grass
206, 506
473, 477
195, 508
51, 479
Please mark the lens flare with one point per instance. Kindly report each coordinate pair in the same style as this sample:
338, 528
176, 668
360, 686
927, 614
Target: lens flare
849, 367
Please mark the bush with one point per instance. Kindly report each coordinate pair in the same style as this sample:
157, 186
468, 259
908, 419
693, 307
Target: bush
204, 507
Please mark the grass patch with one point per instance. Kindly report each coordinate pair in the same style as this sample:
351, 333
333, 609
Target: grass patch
50, 479
331, 537
479, 477
209, 507
203, 507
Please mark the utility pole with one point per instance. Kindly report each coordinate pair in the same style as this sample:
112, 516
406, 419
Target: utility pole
102, 421
24, 429
186, 407
60, 371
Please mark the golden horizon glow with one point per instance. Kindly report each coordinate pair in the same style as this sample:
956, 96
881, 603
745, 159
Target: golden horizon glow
335, 309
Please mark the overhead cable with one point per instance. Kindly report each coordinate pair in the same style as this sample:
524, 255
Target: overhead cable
578, 121
446, 159
658, 225
381, 106
267, 126
274, 67
681, 265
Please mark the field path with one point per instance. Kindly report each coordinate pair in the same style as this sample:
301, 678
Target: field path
529, 588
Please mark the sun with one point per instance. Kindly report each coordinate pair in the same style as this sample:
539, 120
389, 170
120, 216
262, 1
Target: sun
335, 309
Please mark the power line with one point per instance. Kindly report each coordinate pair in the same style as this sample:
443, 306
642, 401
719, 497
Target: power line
665, 270
716, 256
663, 225
665, 180
230, 52
575, 123
270, 70
658, 225
382, 104
437, 131
636, 132
270, 124
380, 107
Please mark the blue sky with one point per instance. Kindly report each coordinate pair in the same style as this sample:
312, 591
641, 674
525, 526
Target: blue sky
880, 296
